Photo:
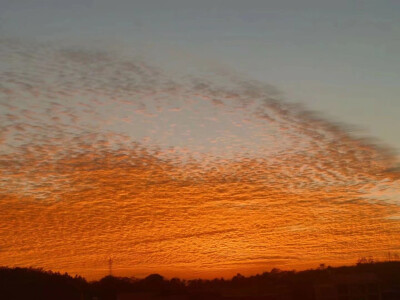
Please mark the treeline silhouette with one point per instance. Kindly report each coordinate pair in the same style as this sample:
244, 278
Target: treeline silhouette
30, 283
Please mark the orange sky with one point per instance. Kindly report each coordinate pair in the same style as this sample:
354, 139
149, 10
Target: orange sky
190, 176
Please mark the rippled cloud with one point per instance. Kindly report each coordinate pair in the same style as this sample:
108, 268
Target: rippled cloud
193, 176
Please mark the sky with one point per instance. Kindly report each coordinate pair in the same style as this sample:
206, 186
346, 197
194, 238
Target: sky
198, 139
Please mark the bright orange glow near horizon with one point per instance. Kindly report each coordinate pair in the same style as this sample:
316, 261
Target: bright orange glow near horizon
187, 177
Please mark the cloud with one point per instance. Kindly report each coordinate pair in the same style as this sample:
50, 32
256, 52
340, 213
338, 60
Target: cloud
105, 155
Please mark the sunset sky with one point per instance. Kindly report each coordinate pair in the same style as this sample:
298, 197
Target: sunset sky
198, 138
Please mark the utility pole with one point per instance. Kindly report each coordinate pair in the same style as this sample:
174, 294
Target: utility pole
110, 262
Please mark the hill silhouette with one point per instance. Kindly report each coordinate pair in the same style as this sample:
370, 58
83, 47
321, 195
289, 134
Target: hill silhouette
366, 280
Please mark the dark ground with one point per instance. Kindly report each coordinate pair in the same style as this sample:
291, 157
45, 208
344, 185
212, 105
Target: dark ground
364, 281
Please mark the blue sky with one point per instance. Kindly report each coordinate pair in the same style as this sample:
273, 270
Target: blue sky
164, 133
341, 58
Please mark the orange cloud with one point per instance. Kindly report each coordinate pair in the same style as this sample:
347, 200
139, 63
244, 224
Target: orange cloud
201, 198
